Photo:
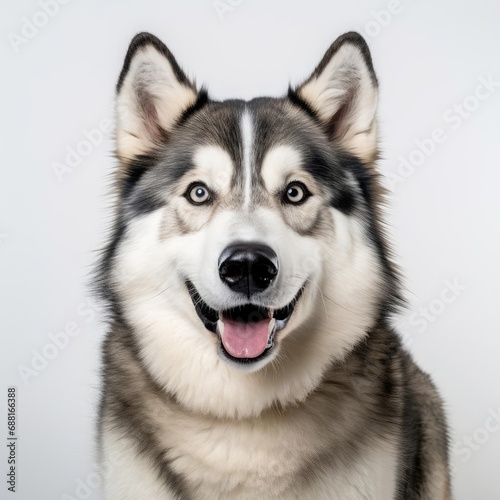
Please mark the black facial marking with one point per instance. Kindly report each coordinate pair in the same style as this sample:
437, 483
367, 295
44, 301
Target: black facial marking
135, 169
366, 182
300, 103
148, 189
201, 101
136, 201
363, 177
329, 170
344, 201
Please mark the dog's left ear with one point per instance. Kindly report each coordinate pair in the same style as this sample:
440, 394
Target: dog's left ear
342, 93
152, 95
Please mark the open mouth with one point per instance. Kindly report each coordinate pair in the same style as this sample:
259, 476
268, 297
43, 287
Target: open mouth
247, 332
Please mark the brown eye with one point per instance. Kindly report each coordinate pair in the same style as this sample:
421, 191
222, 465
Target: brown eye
198, 194
296, 193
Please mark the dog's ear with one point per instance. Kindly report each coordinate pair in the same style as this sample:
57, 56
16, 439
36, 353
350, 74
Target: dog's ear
342, 93
152, 94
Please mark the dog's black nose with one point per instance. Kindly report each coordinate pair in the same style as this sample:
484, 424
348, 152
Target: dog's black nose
248, 267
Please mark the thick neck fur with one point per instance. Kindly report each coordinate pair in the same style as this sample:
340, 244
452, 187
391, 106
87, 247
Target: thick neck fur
362, 401
366, 378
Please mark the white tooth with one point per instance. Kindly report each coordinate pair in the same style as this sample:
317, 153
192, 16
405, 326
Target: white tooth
271, 313
271, 325
220, 327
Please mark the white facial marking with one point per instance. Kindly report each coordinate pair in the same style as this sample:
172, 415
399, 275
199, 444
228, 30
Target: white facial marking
279, 164
247, 138
214, 166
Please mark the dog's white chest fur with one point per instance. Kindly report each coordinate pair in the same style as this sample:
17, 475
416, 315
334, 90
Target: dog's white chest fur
247, 460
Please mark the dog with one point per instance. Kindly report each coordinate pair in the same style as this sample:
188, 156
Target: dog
250, 289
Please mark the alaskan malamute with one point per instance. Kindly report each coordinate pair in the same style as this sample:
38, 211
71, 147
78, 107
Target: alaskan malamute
250, 353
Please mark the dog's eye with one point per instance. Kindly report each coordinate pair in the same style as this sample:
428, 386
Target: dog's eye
198, 194
296, 193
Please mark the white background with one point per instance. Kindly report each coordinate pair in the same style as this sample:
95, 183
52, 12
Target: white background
444, 215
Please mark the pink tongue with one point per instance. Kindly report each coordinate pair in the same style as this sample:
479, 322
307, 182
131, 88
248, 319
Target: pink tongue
245, 340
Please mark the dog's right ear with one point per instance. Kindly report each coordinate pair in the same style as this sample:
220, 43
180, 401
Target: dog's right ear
152, 94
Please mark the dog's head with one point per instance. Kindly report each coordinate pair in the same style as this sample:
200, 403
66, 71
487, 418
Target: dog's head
247, 255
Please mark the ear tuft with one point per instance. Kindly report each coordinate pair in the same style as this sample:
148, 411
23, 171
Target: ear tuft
342, 92
153, 93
